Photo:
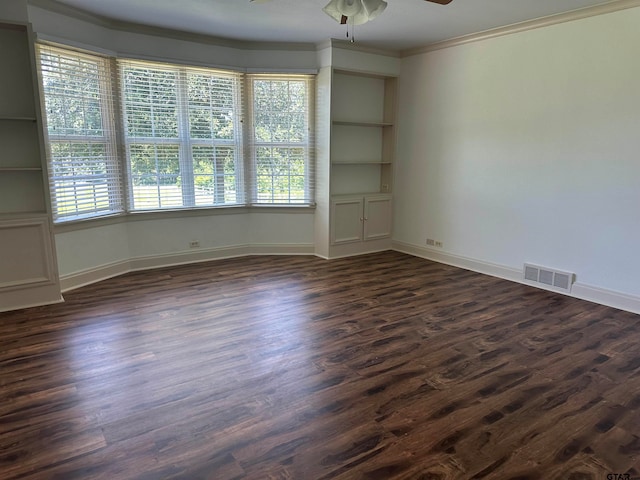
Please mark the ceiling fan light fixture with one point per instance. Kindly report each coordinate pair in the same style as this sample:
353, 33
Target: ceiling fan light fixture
350, 8
332, 10
374, 7
356, 11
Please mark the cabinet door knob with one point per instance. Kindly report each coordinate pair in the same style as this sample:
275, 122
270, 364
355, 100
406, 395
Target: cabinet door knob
361, 218
365, 219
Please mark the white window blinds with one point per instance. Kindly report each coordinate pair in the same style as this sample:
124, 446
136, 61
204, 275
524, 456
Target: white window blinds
183, 135
281, 139
129, 135
84, 172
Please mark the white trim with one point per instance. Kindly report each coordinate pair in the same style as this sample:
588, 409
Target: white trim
86, 277
609, 298
358, 253
56, 41
20, 306
582, 13
281, 71
148, 262
590, 293
467, 263
149, 215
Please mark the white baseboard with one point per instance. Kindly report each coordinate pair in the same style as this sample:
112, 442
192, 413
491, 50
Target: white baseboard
102, 272
609, 298
148, 262
479, 266
81, 278
283, 249
20, 303
584, 292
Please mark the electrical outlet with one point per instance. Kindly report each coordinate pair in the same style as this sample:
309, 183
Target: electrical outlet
431, 242
438, 244
194, 244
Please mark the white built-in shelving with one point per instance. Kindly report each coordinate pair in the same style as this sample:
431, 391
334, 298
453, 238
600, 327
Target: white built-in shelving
361, 148
28, 268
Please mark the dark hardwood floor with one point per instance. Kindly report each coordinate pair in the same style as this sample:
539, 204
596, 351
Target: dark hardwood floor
382, 366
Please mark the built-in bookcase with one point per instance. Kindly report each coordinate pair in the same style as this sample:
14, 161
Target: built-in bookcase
28, 270
362, 150
363, 133
21, 182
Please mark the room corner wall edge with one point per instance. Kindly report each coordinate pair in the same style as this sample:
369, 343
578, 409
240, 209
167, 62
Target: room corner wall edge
82, 278
580, 291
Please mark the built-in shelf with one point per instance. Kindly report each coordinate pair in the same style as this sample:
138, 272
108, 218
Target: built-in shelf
28, 272
362, 124
20, 169
357, 133
10, 118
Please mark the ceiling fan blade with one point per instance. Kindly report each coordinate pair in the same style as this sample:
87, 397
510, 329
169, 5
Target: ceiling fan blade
440, 2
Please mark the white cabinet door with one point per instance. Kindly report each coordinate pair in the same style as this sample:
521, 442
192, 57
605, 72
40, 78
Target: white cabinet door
377, 217
359, 219
346, 220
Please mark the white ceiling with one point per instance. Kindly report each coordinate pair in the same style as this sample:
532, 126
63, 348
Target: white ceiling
404, 24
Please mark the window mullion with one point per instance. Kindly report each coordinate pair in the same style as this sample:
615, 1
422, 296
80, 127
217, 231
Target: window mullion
186, 160
110, 130
249, 148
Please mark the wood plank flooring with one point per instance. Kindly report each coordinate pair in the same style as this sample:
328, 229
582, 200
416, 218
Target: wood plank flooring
383, 366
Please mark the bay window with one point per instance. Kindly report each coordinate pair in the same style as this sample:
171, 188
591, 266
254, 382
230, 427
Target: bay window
177, 137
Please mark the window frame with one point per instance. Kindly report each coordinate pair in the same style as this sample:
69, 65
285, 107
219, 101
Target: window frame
113, 179
241, 146
308, 146
185, 141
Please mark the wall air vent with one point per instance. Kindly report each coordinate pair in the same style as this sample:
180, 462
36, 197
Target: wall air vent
547, 276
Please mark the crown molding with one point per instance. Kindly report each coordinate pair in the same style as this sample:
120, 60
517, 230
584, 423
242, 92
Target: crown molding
67, 11
582, 13
131, 27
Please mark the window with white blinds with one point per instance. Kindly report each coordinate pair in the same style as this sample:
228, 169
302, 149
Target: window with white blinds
281, 139
183, 135
129, 135
84, 172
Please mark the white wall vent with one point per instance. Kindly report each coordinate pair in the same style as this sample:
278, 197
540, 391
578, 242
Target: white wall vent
549, 277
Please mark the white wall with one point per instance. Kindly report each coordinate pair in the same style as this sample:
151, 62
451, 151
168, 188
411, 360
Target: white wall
89, 248
524, 148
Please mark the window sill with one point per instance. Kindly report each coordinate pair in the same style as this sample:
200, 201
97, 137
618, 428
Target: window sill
94, 222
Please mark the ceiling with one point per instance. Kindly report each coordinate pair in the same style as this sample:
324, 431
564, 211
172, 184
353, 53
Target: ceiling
403, 25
